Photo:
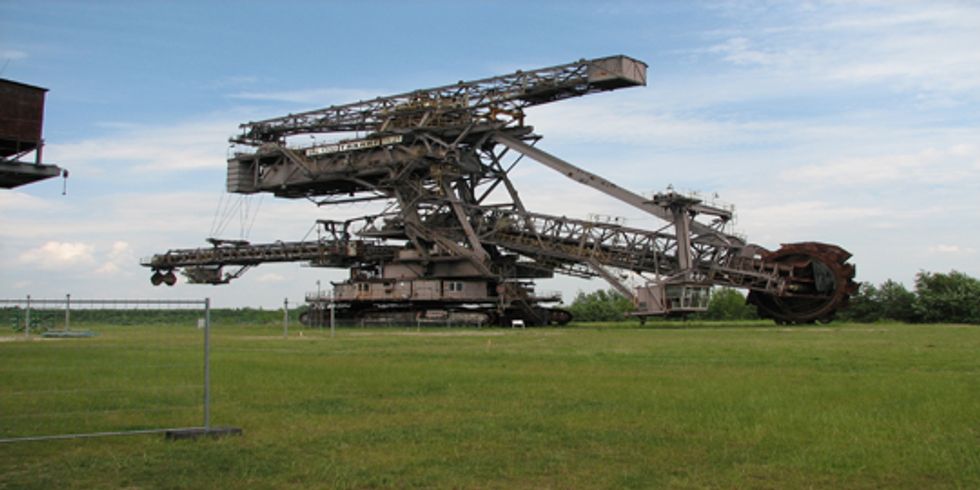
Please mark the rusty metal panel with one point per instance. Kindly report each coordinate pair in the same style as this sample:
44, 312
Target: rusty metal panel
241, 177
618, 71
21, 117
402, 271
429, 289
402, 290
464, 290
345, 292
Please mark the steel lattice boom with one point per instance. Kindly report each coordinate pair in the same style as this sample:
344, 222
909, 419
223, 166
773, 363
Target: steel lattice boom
457, 105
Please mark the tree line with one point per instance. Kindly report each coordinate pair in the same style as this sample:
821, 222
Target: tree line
936, 298
953, 297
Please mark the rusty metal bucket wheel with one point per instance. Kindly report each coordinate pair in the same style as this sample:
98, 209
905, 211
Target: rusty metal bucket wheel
822, 283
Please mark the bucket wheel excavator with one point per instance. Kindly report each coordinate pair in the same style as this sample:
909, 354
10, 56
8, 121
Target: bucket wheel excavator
456, 243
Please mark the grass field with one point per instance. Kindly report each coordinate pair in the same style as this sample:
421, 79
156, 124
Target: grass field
703, 406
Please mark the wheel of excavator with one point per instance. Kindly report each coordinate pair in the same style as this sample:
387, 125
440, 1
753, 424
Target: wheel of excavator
166, 277
560, 317
822, 283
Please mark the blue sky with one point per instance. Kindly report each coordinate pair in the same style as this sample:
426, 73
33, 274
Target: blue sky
855, 123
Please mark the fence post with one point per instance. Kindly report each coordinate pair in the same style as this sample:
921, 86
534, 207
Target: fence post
285, 318
67, 312
207, 364
27, 318
333, 331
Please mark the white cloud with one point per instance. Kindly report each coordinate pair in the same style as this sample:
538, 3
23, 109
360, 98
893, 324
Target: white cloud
957, 163
119, 258
636, 120
121, 215
951, 249
171, 148
901, 19
927, 47
317, 96
231, 81
119, 249
12, 54
738, 50
17, 201
781, 214
108, 269
270, 277
58, 255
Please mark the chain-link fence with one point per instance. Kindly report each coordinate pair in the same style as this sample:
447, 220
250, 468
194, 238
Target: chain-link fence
77, 368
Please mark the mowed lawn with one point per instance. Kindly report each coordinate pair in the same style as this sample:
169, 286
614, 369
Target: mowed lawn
703, 406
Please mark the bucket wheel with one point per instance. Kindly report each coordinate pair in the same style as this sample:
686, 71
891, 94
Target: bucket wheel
819, 281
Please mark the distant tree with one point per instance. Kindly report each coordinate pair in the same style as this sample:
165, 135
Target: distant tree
947, 298
895, 302
600, 306
865, 305
728, 304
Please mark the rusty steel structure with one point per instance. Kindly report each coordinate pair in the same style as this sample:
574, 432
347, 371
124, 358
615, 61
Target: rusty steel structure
21, 124
456, 240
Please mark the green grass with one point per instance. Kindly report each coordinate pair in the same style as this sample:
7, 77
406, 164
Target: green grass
675, 405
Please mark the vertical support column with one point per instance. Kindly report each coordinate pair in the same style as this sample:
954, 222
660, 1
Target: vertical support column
207, 364
27, 318
682, 227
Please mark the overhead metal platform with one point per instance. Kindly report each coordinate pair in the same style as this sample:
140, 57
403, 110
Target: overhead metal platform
21, 123
16, 174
